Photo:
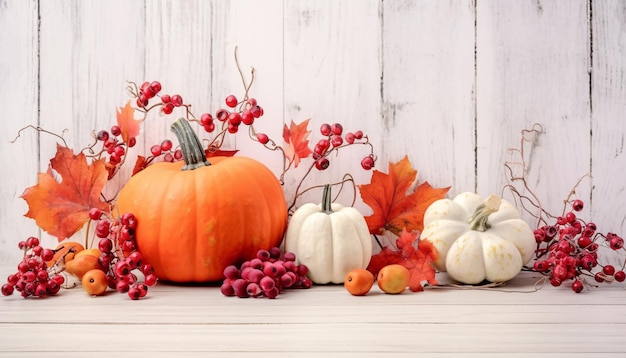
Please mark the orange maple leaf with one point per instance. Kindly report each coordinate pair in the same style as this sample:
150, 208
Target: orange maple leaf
126, 121
62, 208
393, 209
416, 258
297, 144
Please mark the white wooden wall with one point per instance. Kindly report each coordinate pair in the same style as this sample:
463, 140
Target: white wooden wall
450, 83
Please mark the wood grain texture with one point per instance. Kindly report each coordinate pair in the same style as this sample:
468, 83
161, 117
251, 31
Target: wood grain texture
609, 108
532, 67
325, 319
19, 93
428, 90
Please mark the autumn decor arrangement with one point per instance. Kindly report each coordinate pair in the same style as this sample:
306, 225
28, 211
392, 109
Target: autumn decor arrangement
197, 212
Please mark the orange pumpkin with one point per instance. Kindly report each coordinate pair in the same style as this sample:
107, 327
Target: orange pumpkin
195, 218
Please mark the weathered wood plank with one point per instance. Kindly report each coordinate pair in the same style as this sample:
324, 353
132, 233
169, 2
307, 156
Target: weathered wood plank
428, 90
19, 96
532, 67
608, 124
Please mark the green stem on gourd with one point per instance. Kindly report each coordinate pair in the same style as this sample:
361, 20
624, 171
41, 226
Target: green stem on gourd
327, 200
478, 221
190, 145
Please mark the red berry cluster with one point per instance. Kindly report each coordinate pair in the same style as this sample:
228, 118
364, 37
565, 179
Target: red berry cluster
149, 90
266, 275
237, 113
113, 145
569, 249
334, 139
119, 256
33, 276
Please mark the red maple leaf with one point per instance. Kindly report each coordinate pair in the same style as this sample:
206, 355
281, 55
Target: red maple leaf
61, 208
129, 126
296, 142
414, 254
393, 209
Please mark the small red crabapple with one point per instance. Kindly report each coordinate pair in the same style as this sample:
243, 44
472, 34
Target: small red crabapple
367, 163
325, 129
231, 101
578, 205
322, 164
177, 100
336, 128
262, 138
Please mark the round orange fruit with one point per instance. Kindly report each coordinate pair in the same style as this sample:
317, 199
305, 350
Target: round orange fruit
393, 279
94, 282
78, 266
359, 282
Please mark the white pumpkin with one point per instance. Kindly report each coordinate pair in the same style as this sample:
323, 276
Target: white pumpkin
478, 240
329, 239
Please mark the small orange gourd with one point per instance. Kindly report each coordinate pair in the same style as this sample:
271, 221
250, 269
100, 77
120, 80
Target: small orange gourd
195, 218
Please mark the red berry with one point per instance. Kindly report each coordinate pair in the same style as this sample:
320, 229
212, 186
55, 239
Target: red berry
155, 86
367, 163
168, 108
209, 128
95, 213
231, 101
221, 115
166, 145
325, 129
578, 205
166, 98
336, 128
561, 220
155, 150
232, 128
262, 138
132, 141
584, 241
570, 217
256, 111
102, 135
116, 130
616, 243
177, 100
358, 134
234, 118
336, 140
599, 277
577, 286
609, 270
350, 137
322, 163
619, 276
247, 118
206, 118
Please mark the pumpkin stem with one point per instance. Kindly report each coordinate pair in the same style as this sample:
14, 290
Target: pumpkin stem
190, 145
327, 200
478, 221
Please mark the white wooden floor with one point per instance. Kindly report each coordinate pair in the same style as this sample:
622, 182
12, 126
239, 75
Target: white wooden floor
176, 321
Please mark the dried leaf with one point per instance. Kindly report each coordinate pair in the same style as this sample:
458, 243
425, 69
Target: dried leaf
62, 208
296, 142
393, 209
129, 126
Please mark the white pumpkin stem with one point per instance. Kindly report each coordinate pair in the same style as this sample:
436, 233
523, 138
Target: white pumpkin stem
478, 221
190, 145
327, 200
